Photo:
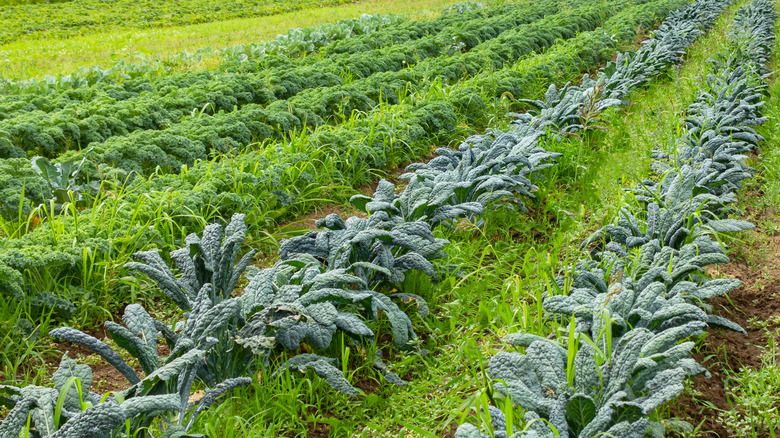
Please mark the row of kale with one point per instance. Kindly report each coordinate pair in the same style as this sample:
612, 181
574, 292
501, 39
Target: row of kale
277, 100
325, 281
236, 58
634, 303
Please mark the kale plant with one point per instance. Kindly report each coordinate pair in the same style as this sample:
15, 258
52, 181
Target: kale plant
487, 171
379, 249
70, 410
598, 391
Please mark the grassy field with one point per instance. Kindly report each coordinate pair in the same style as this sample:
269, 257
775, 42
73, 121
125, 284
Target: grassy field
505, 265
78, 17
29, 58
28, 2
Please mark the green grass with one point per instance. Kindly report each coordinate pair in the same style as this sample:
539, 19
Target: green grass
768, 165
506, 268
22, 350
754, 394
32, 58
28, 2
80, 17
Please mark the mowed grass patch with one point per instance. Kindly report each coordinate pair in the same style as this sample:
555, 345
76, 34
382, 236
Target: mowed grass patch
36, 58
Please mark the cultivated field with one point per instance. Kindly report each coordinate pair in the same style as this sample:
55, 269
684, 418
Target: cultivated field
527, 219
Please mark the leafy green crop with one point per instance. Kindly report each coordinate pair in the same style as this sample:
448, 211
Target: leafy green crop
486, 170
626, 359
578, 108
70, 410
658, 296
222, 337
378, 249
210, 259
568, 110
609, 393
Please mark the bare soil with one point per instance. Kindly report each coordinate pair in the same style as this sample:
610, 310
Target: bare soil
756, 262
105, 378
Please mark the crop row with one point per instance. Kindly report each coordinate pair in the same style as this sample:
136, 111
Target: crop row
633, 305
80, 124
326, 281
